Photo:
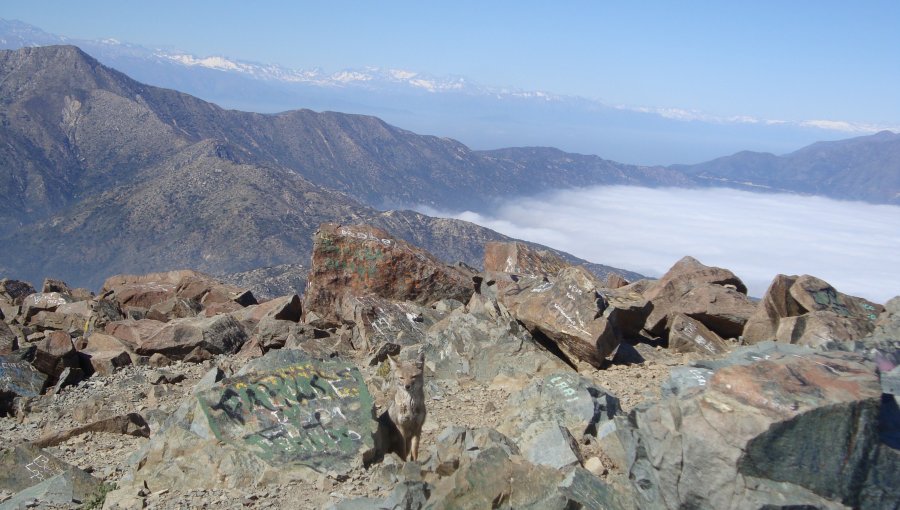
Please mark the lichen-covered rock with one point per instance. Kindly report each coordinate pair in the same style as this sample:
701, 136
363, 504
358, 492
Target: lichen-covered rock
360, 260
834, 316
791, 429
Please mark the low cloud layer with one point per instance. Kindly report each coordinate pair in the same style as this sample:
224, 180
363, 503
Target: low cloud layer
854, 246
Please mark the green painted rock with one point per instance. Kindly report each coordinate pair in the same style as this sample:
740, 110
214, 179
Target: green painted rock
289, 409
284, 417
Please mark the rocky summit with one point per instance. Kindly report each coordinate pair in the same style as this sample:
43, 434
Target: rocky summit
545, 387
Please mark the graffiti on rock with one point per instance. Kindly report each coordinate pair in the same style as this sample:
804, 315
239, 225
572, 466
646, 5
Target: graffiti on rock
296, 414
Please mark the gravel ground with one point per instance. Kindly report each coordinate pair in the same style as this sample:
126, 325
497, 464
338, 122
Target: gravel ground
133, 389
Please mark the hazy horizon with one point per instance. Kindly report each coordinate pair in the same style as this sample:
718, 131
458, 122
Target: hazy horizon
814, 61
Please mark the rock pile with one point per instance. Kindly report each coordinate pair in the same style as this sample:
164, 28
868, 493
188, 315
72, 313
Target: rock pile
171, 389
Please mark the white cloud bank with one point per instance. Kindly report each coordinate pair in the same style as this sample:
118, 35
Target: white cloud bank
854, 246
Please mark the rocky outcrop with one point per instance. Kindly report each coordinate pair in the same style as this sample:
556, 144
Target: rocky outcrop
548, 416
179, 337
519, 258
144, 292
568, 311
712, 295
785, 430
807, 310
357, 261
483, 341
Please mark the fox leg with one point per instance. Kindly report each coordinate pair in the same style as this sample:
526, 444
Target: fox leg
414, 447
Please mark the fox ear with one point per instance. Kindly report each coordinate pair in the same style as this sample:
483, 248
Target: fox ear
392, 362
420, 361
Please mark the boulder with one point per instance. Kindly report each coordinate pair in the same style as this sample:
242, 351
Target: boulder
818, 328
9, 342
145, 291
615, 281
359, 261
38, 302
689, 335
519, 258
568, 311
484, 342
19, 378
283, 417
15, 291
792, 429
377, 321
55, 354
848, 317
457, 444
688, 273
37, 477
284, 308
712, 295
563, 399
497, 479
628, 310
53, 321
131, 424
221, 334
174, 308
104, 354
51, 285
81, 309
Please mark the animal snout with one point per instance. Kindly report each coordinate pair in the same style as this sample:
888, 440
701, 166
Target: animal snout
407, 385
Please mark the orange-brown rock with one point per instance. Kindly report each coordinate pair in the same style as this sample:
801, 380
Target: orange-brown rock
360, 260
689, 335
567, 310
835, 316
519, 258
54, 354
104, 353
712, 295
177, 338
146, 291
615, 281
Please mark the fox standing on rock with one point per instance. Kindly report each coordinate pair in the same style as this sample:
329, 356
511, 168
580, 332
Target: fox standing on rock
406, 414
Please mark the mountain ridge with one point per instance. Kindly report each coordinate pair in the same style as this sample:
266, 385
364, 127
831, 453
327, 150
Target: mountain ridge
482, 117
131, 178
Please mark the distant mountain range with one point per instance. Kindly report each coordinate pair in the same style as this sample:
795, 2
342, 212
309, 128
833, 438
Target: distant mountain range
482, 117
102, 174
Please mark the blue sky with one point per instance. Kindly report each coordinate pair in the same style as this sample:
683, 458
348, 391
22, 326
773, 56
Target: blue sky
786, 60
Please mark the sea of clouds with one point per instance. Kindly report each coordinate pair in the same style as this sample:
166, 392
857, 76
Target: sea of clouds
854, 246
